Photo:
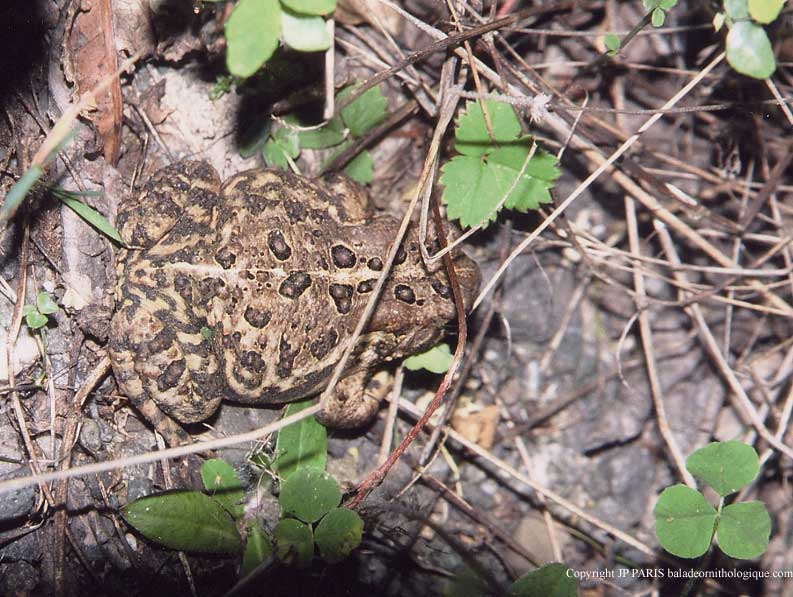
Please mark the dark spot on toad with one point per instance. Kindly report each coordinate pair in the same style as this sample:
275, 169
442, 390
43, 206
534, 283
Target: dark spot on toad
183, 287
375, 263
320, 347
365, 286
286, 358
405, 294
441, 289
258, 318
225, 258
252, 361
400, 256
342, 256
342, 296
170, 377
277, 244
294, 285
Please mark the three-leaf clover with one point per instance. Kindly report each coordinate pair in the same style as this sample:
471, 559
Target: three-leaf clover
36, 315
686, 523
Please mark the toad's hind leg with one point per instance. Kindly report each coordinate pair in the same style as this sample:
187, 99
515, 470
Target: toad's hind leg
165, 369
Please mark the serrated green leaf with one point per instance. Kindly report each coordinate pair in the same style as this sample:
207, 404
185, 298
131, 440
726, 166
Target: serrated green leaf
361, 168
309, 494
304, 33
222, 484
551, 580
45, 304
471, 135
365, 112
684, 521
736, 9
744, 530
749, 50
725, 466
765, 11
338, 534
294, 542
184, 520
252, 34
33, 319
436, 360
300, 445
89, 215
311, 7
658, 17
329, 135
473, 186
258, 548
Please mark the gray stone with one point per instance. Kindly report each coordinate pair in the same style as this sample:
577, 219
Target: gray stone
17, 504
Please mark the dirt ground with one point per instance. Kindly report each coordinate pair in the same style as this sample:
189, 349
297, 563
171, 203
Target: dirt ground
651, 316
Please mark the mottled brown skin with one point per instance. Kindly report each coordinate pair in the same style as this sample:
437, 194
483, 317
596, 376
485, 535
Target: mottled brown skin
249, 291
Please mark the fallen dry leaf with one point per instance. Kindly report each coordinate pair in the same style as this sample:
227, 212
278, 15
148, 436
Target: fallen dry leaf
92, 53
477, 425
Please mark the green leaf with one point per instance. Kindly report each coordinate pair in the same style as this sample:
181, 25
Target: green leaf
311, 7
301, 445
361, 168
658, 17
252, 33
88, 214
472, 137
294, 542
257, 548
45, 304
765, 11
725, 466
329, 135
684, 521
222, 483
551, 580
436, 360
744, 530
612, 42
309, 494
304, 33
749, 50
282, 147
365, 112
736, 9
33, 318
667, 4
337, 534
474, 185
718, 21
275, 155
184, 520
